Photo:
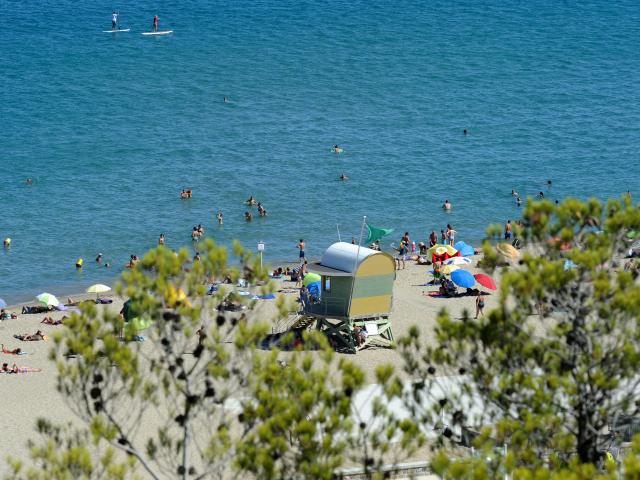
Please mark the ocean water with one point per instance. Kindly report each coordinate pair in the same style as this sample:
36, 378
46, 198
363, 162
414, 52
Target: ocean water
112, 127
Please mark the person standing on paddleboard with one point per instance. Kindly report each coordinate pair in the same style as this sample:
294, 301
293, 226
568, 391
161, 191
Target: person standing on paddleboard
155, 23
114, 20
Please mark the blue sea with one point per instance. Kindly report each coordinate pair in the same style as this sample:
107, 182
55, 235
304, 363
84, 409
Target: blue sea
112, 127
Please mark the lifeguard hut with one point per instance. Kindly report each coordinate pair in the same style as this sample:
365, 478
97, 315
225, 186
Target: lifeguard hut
356, 290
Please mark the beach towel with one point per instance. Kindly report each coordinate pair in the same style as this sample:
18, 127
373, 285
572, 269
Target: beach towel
268, 296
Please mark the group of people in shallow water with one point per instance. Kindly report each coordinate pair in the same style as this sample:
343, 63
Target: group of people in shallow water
252, 202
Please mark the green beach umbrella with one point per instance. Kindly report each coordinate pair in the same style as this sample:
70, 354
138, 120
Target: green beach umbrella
310, 278
48, 299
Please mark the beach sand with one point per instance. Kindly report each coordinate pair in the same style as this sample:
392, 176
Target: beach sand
25, 397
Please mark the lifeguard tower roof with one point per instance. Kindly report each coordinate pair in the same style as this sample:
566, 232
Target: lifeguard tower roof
342, 259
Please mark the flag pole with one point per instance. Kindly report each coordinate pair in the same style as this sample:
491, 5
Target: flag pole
355, 263
338, 228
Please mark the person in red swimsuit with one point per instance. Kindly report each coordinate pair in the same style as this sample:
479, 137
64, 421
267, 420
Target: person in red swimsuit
155, 23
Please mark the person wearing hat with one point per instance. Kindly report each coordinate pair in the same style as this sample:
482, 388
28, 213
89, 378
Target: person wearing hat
79, 263
7, 242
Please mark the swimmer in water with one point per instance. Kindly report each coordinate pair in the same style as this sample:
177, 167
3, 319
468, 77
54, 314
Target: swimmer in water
343, 177
161, 239
518, 201
225, 99
99, 258
29, 181
336, 149
514, 193
447, 205
549, 183
219, 217
465, 132
540, 195
251, 201
248, 216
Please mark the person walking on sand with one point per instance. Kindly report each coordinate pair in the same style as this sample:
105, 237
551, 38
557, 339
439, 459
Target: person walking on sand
507, 230
155, 23
301, 247
479, 305
402, 251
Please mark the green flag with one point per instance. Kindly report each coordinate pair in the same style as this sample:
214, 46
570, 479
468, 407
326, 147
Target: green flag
375, 233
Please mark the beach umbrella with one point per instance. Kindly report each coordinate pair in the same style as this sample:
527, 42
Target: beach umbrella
2, 303
457, 261
440, 249
447, 269
485, 280
462, 278
48, 299
98, 288
310, 278
465, 249
507, 250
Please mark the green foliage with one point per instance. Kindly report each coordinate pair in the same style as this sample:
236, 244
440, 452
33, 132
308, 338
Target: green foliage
176, 407
555, 364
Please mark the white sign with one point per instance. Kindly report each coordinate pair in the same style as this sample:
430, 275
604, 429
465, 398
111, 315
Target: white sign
261, 247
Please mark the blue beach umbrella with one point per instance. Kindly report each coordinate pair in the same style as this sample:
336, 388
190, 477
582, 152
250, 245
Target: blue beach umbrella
462, 278
2, 303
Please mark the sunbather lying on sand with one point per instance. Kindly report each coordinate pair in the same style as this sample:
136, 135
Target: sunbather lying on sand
15, 351
35, 309
25, 337
16, 369
51, 321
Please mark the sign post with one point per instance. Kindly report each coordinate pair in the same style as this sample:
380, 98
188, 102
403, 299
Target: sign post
261, 249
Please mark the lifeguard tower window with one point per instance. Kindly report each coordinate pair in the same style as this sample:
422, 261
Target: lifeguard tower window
326, 285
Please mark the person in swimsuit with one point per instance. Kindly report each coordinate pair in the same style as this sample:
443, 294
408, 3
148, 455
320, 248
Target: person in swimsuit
114, 21
451, 234
161, 239
433, 238
219, 217
248, 216
15, 351
479, 305
443, 237
447, 205
507, 230
301, 247
155, 23
402, 251
343, 177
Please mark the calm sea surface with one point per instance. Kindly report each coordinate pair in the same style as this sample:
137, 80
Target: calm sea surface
112, 127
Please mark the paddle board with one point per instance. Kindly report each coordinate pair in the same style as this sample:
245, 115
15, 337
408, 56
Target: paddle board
116, 31
164, 32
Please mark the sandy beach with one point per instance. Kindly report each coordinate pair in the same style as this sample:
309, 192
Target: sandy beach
31, 395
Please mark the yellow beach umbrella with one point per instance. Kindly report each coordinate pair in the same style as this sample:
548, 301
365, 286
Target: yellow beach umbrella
98, 288
507, 250
447, 269
439, 249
